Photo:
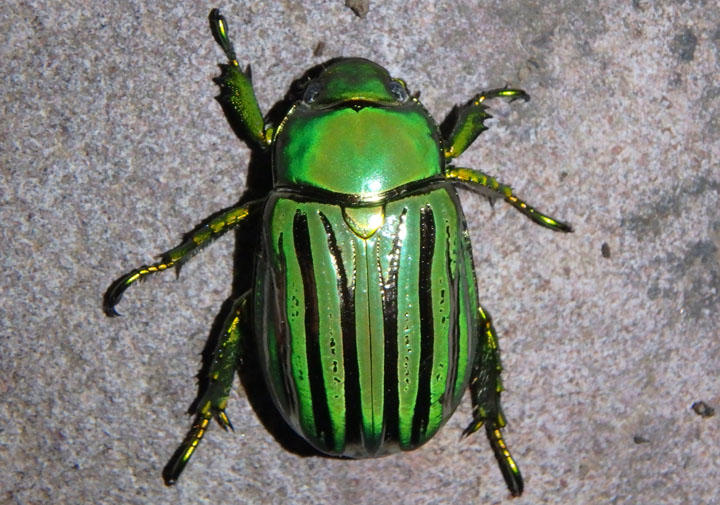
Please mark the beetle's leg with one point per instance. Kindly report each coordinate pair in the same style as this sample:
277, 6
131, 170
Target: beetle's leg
485, 388
224, 361
236, 89
470, 121
207, 232
484, 184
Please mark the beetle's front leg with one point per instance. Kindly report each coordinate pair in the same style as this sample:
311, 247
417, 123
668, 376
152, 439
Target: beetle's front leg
206, 233
484, 184
236, 89
470, 120
485, 388
224, 361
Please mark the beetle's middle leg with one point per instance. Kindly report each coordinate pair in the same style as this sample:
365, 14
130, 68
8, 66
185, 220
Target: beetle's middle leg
224, 361
470, 119
210, 230
477, 181
485, 388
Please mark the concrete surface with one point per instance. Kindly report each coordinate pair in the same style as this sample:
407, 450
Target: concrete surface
112, 146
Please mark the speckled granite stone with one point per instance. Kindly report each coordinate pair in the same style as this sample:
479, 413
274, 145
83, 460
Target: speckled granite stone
113, 146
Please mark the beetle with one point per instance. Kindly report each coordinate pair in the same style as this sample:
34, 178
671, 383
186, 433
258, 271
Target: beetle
364, 299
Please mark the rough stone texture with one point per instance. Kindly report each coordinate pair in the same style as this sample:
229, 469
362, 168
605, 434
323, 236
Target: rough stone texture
112, 147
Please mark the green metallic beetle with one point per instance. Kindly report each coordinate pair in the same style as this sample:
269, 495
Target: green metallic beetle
364, 302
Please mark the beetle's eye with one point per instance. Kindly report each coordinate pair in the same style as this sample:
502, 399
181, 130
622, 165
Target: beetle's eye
398, 91
311, 92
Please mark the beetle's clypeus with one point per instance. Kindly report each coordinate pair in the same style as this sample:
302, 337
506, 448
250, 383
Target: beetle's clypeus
364, 302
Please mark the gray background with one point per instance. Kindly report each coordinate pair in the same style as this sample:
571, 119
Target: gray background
112, 146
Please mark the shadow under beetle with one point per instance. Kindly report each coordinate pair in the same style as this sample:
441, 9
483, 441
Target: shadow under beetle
364, 301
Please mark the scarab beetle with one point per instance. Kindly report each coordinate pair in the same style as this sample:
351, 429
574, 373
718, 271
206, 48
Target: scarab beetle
364, 301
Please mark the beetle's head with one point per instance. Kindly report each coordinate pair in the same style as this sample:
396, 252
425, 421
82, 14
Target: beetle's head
355, 82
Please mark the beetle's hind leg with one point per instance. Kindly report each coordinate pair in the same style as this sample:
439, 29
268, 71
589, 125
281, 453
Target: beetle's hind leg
479, 182
485, 388
470, 120
224, 361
